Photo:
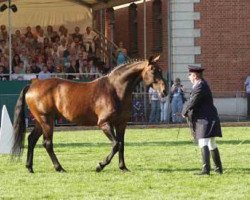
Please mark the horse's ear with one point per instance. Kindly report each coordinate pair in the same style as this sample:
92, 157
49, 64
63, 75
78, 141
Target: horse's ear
152, 59
157, 58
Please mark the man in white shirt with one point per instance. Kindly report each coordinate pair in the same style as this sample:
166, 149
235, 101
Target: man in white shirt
247, 85
89, 38
155, 106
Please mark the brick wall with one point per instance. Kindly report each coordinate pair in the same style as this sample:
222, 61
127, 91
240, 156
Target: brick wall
225, 42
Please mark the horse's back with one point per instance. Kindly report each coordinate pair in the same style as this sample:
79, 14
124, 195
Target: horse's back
81, 103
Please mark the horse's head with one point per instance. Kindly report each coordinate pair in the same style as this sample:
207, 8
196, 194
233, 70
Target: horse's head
152, 76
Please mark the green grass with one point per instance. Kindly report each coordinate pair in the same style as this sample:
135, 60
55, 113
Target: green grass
162, 164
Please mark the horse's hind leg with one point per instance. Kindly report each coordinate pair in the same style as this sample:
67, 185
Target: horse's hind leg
32, 140
109, 132
120, 132
47, 125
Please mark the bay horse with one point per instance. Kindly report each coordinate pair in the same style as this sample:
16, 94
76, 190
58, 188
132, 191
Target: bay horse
106, 102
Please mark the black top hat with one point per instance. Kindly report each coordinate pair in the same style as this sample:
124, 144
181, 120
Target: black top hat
196, 69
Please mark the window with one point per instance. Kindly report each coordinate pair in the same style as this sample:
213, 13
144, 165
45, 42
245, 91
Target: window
157, 26
133, 30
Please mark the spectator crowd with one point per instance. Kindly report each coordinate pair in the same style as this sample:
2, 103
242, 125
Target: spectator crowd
45, 53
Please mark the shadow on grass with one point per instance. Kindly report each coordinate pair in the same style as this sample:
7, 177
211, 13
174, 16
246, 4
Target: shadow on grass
239, 170
135, 144
132, 144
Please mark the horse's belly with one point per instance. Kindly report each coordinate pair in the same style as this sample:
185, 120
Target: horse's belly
82, 119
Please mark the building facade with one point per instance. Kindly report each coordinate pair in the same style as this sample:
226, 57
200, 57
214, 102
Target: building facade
209, 33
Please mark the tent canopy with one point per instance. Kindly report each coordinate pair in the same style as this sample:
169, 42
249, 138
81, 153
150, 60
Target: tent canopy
48, 12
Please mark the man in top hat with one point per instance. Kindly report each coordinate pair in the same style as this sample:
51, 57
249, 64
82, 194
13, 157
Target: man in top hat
204, 119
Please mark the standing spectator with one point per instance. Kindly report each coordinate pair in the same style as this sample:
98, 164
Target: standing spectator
177, 92
121, 54
89, 38
164, 109
203, 117
155, 106
247, 85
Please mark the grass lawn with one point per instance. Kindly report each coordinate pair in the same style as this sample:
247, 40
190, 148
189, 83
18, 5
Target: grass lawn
162, 164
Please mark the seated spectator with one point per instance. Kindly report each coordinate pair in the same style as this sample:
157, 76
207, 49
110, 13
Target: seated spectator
3, 33
4, 61
16, 60
121, 54
63, 46
34, 68
17, 75
59, 71
24, 57
29, 75
73, 69
17, 36
62, 32
77, 34
40, 36
50, 65
28, 32
3, 73
37, 31
44, 74
49, 32
4, 47
22, 68
55, 38
89, 38
104, 68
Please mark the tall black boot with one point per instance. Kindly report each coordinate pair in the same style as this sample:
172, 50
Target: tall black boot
217, 162
205, 161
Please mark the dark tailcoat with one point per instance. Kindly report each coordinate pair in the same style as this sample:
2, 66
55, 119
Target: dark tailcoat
201, 112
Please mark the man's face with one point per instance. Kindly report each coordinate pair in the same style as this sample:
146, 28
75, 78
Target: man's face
192, 77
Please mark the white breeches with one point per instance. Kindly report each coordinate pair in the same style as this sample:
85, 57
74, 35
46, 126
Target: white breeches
88, 45
210, 142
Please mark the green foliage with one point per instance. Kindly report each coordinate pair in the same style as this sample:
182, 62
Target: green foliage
162, 164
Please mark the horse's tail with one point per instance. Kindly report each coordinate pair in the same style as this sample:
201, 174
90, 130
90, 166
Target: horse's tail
19, 126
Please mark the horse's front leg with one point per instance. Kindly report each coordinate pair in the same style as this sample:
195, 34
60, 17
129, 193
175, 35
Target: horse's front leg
109, 132
120, 132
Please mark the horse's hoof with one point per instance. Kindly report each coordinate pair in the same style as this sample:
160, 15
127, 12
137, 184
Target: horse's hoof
60, 169
124, 169
30, 169
99, 168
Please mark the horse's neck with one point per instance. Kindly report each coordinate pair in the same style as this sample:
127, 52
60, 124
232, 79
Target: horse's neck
126, 82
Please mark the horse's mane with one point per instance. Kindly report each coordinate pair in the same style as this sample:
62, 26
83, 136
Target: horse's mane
122, 67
